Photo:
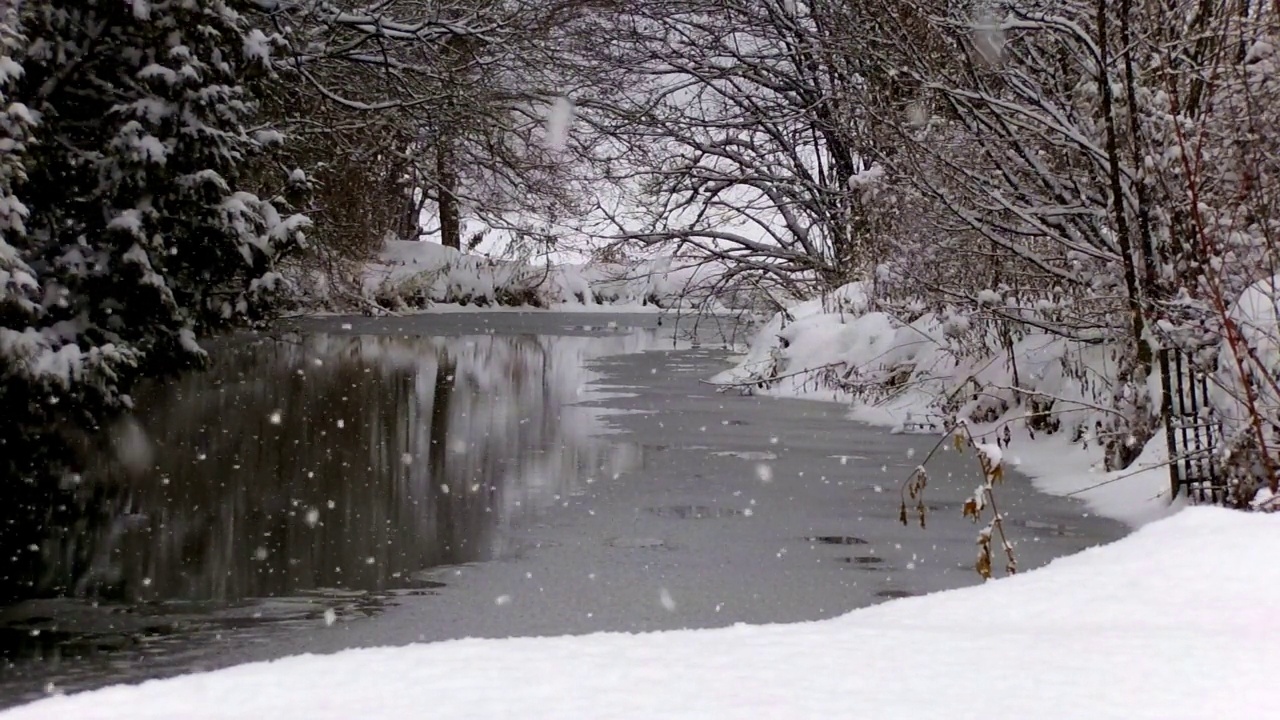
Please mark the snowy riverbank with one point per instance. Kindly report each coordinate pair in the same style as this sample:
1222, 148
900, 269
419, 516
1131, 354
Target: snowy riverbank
410, 276
1147, 627
905, 375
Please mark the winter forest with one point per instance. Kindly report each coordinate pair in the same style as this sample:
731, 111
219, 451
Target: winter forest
969, 209
1098, 171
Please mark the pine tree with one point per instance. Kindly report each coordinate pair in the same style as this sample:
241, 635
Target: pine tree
127, 234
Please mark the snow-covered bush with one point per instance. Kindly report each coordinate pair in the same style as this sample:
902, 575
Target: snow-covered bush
1064, 209
1223, 313
929, 372
1245, 393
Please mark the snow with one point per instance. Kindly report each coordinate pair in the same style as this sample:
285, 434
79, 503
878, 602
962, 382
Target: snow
993, 453
1118, 631
257, 46
411, 275
906, 375
558, 121
866, 176
1265, 499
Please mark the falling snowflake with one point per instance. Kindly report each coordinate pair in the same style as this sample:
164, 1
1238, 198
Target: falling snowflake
559, 119
668, 602
988, 40
917, 114
275, 417
764, 472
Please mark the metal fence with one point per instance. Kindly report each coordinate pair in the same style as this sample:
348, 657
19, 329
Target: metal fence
1192, 430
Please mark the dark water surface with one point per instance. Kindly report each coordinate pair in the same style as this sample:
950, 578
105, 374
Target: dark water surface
302, 481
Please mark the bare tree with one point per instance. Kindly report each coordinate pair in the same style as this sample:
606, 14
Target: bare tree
438, 108
747, 134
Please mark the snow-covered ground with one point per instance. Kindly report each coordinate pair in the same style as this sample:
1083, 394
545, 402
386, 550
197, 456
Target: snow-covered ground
417, 275
1172, 622
908, 372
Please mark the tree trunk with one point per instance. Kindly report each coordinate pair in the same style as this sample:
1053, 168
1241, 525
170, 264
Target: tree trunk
446, 195
1123, 237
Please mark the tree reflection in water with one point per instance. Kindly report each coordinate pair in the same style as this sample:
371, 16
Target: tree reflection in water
334, 462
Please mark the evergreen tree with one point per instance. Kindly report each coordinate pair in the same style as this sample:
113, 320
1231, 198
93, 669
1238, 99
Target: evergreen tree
125, 232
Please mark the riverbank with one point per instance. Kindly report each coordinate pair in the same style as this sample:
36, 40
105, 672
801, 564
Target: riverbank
413, 276
1046, 407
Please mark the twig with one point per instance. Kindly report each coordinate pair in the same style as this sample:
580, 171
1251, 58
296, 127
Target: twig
991, 474
774, 378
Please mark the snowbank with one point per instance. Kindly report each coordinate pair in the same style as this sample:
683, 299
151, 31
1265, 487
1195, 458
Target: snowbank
417, 275
1173, 622
907, 375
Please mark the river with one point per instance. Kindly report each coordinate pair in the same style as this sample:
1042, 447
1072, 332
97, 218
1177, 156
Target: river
352, 482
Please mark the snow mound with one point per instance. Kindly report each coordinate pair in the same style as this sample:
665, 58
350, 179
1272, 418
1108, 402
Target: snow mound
1119, 631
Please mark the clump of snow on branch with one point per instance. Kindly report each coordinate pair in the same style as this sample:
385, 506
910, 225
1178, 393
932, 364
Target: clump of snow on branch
558, 123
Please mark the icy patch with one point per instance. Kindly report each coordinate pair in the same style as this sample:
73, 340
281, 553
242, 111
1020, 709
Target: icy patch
755, 455
836, 540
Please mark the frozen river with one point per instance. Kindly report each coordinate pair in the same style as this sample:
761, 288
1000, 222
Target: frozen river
359, 482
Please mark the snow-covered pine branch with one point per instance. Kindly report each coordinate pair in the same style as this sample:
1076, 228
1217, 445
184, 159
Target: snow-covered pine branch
127, 232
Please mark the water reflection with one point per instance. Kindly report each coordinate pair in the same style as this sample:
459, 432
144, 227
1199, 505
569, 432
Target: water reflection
346, 462
331, 461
